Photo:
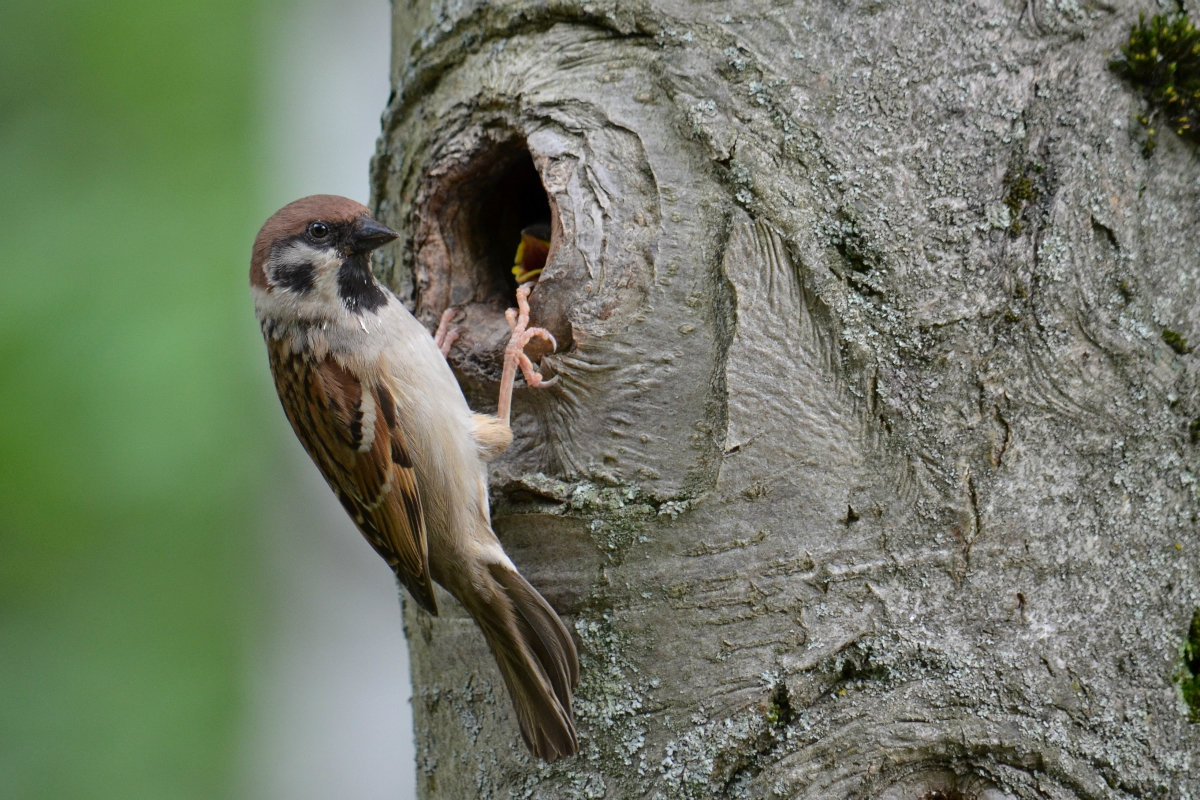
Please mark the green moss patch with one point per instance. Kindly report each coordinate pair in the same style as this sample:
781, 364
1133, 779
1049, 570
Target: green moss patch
1188, 676
1177, 341
1021, 191
1162, 58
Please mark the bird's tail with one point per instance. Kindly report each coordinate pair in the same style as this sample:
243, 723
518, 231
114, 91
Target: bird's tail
536, 657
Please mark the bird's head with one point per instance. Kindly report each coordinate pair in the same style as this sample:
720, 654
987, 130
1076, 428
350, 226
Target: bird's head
313, 258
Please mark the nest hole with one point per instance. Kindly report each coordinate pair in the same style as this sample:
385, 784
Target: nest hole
499, 195
480, 220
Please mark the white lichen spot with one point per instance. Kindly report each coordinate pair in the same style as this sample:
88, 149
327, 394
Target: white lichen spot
734, 58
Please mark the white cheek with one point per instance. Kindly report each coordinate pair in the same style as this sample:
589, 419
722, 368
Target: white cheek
319, 302
324, 263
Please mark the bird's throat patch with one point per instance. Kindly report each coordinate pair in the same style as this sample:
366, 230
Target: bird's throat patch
356, 287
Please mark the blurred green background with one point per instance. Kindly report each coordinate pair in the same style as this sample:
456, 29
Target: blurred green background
138, 437
131, 443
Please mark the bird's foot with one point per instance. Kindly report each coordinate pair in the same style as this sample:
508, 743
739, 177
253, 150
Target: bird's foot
446, 335
522, 334
514, 353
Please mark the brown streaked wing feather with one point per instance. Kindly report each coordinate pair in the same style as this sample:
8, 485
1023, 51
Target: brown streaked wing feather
333, 414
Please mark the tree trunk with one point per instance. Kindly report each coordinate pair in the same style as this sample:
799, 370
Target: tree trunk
868, 472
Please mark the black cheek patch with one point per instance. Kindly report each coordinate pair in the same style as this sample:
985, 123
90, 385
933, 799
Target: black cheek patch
294, 277
298, 278
356, 287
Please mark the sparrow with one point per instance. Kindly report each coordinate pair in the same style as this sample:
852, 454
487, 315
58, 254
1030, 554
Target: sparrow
371, 397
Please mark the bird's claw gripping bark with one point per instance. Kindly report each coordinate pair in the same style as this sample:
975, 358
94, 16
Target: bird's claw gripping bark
514, 353
446, 336
522, 334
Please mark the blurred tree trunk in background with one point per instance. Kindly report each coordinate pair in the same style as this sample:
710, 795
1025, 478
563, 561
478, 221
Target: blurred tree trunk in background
869, 471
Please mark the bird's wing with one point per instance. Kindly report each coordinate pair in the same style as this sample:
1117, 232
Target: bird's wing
349, 427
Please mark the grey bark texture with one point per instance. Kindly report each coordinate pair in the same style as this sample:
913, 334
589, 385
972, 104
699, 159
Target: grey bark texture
868, 474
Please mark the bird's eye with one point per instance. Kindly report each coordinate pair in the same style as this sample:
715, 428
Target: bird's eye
318, 230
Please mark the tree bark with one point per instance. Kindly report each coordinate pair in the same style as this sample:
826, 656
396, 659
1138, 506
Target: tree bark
868, 473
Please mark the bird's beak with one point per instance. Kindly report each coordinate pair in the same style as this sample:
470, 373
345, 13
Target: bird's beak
366, 234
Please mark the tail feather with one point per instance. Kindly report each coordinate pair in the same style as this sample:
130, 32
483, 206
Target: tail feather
538, 660
544, 631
